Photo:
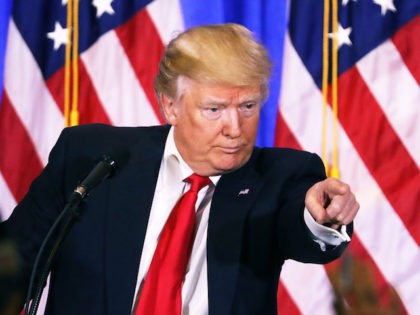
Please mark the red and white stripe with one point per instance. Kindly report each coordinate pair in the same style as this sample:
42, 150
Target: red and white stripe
121, 96
386, 67
29, 95
8, 202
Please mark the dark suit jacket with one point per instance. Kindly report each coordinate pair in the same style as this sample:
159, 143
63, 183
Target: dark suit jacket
249, 235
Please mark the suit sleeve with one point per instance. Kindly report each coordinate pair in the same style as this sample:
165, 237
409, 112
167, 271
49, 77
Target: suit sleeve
295, 239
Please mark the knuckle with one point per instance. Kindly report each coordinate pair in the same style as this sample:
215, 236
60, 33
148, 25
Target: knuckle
345, 188
334, 208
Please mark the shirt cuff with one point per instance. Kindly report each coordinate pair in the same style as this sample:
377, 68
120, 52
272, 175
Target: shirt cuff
324, 235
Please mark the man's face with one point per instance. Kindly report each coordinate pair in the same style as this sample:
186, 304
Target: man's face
215, 126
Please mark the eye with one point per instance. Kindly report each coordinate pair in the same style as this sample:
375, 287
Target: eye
212, 112
249, 109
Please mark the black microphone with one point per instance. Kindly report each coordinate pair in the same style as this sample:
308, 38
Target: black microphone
104, 169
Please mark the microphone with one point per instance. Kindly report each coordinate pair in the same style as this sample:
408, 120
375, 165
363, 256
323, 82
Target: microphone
104, 169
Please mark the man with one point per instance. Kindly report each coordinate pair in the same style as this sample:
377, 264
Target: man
260, 207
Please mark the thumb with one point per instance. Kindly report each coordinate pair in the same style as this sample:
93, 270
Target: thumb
333, 187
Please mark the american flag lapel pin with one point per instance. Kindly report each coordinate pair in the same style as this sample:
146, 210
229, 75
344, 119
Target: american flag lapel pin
244, 192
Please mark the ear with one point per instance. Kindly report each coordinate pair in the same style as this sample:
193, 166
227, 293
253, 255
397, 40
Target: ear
168, 109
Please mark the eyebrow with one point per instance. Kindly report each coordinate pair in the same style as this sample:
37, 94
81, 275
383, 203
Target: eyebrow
253, 98
215, 101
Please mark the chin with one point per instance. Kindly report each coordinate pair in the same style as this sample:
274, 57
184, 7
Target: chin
229, 166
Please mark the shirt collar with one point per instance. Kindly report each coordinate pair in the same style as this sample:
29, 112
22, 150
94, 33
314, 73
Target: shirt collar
173, 159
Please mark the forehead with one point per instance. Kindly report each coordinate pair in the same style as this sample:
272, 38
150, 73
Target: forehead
217, 92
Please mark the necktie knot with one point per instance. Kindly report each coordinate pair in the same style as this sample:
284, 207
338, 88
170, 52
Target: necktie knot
197, 182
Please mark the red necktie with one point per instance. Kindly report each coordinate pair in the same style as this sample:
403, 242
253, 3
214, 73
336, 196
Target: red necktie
161, 293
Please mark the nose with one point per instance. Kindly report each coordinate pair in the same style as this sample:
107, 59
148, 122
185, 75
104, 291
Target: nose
232, 123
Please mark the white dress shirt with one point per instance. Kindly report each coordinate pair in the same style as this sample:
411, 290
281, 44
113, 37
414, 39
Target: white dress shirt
169, 188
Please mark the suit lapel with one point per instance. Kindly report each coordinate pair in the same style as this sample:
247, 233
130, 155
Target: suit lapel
233, 197
130, 201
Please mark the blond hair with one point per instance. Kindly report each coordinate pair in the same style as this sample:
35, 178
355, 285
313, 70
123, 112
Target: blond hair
220, 53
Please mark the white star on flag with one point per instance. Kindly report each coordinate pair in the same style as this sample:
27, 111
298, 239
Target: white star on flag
103, 6
342, 36
385, 5
60, 35
345, 2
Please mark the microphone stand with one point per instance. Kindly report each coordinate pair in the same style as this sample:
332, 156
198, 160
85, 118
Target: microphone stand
71, 207
105, 168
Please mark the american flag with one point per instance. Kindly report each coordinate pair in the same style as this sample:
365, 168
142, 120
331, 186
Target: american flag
378, 132
378, 128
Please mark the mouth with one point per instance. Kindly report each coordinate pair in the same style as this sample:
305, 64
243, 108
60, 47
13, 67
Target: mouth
231, 149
